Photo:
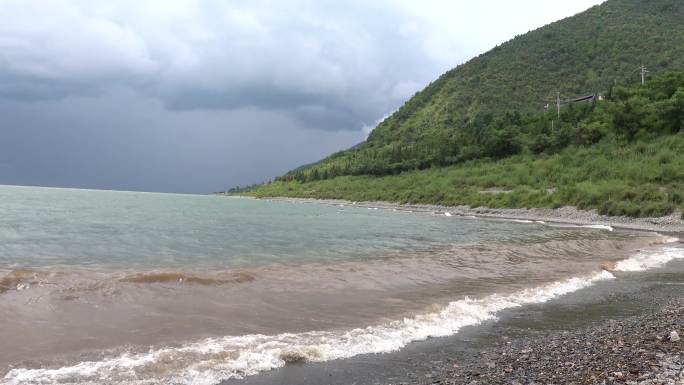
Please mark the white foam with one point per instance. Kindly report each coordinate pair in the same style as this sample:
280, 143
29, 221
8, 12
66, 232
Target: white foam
667, 239
216, 359
599, 227
521, 221
650, 259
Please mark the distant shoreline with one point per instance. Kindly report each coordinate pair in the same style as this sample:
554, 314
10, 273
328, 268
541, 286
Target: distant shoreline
673, 223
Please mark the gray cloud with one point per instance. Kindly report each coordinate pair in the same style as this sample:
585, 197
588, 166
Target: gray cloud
305, 57
351, 59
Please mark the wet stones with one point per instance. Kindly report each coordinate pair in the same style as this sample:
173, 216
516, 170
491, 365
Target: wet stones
643, 350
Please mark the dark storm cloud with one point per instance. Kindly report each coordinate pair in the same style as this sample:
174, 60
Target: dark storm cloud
319, 111
123, 141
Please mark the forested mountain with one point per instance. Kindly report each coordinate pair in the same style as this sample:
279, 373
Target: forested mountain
623, 156
456, 117
492, 123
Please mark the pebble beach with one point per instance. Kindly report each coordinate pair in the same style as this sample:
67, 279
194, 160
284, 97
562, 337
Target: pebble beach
643, 350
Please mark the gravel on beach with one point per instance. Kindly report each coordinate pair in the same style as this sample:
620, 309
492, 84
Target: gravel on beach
644, 350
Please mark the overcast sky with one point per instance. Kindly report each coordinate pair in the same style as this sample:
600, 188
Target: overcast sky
199, 96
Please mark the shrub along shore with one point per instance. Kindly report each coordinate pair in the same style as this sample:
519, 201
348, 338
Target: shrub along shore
643, 179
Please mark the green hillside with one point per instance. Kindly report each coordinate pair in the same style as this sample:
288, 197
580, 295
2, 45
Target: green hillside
623, 156
490, 112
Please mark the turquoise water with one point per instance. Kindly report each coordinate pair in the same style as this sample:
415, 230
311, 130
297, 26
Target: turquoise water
45, 227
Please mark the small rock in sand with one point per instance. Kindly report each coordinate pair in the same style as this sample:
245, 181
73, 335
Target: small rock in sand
674, 336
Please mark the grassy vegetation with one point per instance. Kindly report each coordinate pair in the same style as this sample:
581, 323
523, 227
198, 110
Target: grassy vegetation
643, 178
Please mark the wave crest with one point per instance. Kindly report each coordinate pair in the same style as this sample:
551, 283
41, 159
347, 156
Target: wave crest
649, 260
20, 279
179, 277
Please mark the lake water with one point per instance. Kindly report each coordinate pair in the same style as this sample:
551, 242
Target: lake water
143, 288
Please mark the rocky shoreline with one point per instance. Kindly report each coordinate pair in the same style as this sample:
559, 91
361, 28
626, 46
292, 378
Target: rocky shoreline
672, 223
643, 350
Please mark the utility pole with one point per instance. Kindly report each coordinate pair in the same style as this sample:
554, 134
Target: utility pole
644, 71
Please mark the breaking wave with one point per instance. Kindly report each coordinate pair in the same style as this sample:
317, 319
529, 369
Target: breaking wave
20, 279
649, 260
215, 359
598, 227
73, 280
